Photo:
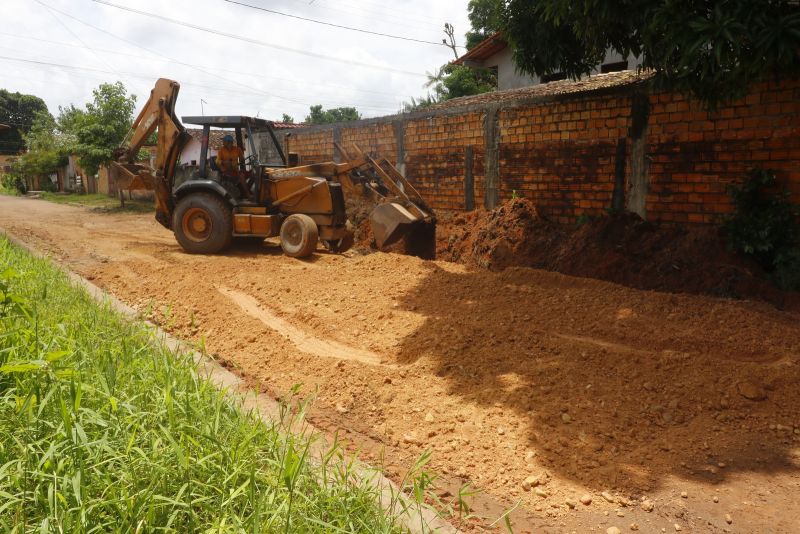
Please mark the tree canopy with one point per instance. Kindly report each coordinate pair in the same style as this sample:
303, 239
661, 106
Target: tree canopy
485, 17
317, 115
453, 81
92, 133
102, 126
47, 147
18, 111
714, 49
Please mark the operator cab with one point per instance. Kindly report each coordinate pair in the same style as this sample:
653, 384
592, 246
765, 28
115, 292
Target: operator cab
250, 129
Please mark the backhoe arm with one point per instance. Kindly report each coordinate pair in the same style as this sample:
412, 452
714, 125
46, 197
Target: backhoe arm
158, 113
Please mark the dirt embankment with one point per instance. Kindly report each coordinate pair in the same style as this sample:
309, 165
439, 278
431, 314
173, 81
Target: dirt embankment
618, 248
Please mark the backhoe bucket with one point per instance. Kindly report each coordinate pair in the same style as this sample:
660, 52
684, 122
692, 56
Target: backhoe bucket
391, 222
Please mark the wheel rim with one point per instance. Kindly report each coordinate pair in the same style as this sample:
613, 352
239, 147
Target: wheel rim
197, 224
294, 234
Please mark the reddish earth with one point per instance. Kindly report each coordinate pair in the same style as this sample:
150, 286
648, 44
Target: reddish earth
578, 385
618, 248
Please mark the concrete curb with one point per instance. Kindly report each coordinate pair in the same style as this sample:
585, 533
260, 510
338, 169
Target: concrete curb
416, 520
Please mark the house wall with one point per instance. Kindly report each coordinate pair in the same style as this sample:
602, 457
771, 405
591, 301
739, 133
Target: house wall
651, 152
191, 153
508, 77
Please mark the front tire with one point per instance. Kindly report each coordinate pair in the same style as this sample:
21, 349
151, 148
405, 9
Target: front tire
203, 223
299, 236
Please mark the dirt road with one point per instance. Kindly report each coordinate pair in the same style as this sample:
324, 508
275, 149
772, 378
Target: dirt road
531, 386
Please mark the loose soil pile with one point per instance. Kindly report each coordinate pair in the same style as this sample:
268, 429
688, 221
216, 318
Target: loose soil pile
618, 248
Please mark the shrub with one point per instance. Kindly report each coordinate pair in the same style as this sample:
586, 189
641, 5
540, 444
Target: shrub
13, 184
766, 226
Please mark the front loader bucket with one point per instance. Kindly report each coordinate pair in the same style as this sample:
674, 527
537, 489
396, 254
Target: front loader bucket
391, 222
420, 241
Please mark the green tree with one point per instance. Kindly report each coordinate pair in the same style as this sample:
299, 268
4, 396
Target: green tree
47, 148
453, 81
102, 126
485, 17
68, 118
18, 111
287, 119
317, 115
714, 50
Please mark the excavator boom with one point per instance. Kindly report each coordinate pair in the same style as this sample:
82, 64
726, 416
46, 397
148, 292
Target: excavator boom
158, 113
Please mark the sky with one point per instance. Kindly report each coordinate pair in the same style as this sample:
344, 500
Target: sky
251, 62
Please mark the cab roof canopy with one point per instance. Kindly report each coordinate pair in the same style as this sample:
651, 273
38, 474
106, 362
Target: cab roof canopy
230, 121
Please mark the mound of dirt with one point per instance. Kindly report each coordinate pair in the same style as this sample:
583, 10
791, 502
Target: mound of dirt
358, 210
618, 248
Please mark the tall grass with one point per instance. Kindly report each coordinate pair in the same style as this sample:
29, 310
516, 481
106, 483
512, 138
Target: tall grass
102, 429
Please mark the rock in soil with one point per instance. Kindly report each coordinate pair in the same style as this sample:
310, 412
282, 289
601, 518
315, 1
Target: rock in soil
530, 482
751, 390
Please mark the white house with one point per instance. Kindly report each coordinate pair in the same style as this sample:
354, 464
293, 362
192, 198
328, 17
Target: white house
493, 53
191, 152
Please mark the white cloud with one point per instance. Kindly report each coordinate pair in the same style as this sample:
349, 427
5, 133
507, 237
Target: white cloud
231, 76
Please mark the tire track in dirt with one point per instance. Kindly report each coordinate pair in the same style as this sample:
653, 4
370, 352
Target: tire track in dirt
304, 341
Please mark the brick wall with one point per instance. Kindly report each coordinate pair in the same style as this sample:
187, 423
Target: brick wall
435, 157
655, 153
695, 154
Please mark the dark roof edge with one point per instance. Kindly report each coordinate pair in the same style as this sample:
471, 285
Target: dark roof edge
490, 44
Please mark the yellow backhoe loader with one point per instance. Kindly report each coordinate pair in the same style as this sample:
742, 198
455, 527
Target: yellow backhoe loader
302, 204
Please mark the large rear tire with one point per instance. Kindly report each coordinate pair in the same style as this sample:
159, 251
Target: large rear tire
299, 236
203, 223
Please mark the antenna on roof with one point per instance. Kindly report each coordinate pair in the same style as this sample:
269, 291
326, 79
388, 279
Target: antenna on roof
202, 112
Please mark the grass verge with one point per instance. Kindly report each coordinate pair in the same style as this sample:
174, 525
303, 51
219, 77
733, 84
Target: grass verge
99, 202
102, 429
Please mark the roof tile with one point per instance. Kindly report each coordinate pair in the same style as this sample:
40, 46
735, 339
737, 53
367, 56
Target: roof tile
591, 83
